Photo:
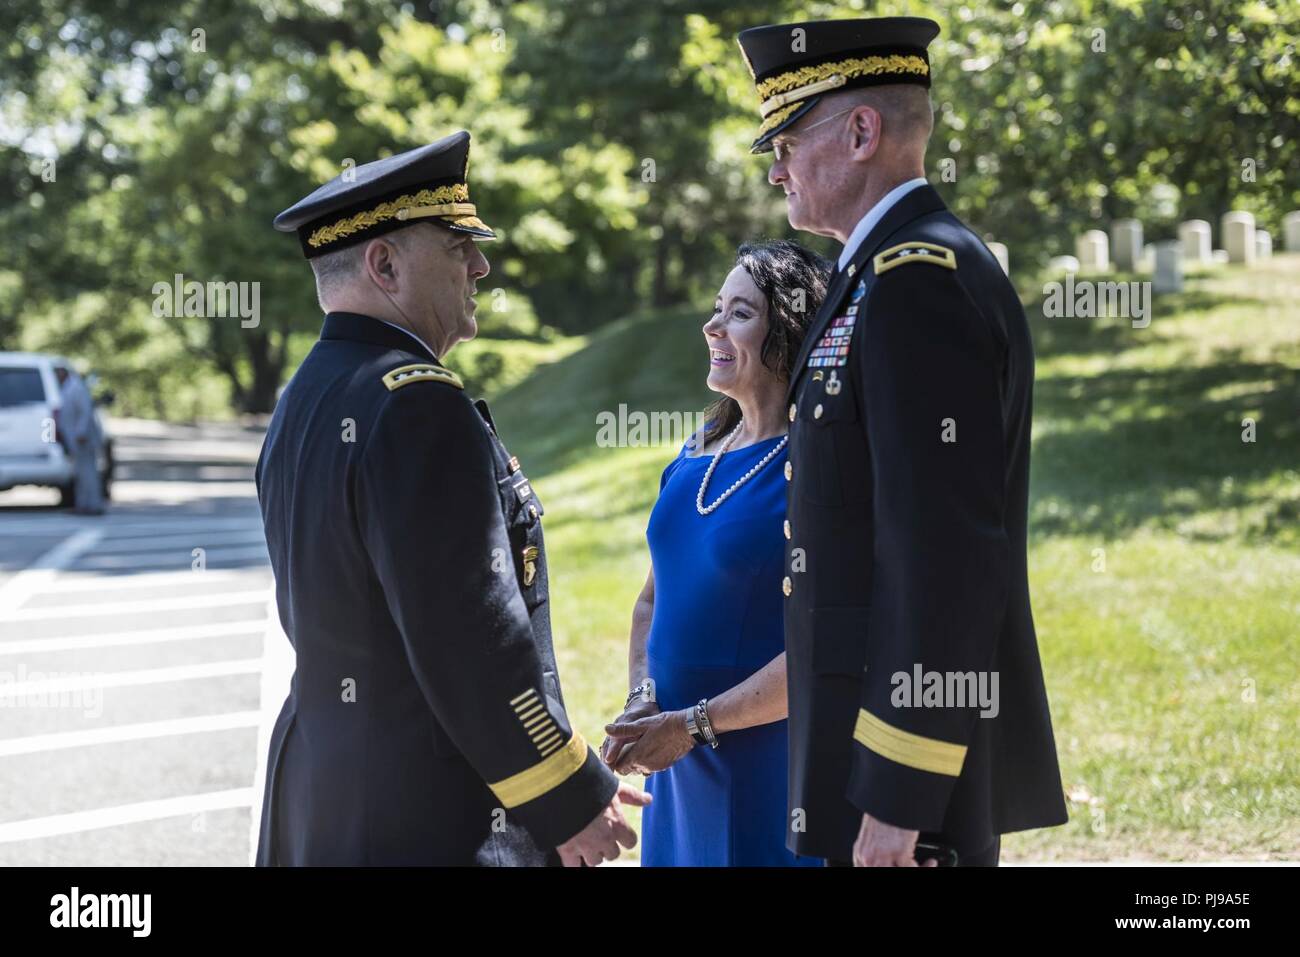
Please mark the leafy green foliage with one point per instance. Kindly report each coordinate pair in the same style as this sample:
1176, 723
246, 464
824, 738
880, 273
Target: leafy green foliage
611, 150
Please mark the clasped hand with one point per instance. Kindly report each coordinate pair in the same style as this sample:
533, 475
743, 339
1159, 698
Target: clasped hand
643, 739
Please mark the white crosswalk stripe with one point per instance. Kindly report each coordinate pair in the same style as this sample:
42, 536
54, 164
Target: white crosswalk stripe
148, 636
183, 543
43, 571
45, 687
114, 602
73, 581
180, 557
144, 605
76, 821
39, 743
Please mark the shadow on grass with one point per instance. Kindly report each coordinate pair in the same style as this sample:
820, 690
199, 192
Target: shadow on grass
1164, 448
1064, 336
1115, 451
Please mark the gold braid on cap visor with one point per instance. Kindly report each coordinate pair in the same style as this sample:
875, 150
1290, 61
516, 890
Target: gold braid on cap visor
443, 201
782, 93
777, 118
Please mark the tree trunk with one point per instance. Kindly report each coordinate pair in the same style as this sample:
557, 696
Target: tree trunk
660, 294
267, 367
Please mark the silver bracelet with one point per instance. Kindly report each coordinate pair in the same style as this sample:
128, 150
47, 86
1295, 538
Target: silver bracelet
645, 691
702, 721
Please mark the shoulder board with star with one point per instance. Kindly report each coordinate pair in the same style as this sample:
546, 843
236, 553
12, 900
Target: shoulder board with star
421, 372
915, 252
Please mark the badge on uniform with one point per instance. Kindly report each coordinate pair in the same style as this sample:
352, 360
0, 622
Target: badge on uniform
832, 350
915, 252
420, 372
530, 565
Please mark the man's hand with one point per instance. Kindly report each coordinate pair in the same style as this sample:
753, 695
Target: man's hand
659, 741
598, 841
613, 749
883, 845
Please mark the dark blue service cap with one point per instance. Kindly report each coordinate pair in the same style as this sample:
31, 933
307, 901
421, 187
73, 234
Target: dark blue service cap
795, 64
424, 184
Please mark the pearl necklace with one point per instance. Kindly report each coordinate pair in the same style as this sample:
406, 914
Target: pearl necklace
717, 457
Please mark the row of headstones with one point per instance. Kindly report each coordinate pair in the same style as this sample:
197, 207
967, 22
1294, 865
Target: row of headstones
1242, 241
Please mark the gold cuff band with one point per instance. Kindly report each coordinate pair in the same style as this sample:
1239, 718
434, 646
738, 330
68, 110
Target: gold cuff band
903, 747
542, 777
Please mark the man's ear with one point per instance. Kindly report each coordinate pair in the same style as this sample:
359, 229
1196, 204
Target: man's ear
865, 127
380, 263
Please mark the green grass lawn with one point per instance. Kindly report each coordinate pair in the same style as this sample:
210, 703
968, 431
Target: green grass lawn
1170, 656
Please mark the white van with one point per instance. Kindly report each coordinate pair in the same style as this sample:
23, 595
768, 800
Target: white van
30, 453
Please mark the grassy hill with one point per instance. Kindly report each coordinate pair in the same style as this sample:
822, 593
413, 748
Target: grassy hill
1170, 654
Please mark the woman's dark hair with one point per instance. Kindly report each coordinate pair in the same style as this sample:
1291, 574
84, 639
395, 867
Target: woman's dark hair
793, 281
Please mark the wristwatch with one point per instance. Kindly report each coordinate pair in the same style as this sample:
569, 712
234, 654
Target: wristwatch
693, 729
644, 692
698, 726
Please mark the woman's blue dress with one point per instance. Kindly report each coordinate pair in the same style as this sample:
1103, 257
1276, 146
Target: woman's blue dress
717, 620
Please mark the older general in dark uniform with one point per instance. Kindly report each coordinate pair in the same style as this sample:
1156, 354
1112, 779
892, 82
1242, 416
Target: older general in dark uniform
919, 724
425, 722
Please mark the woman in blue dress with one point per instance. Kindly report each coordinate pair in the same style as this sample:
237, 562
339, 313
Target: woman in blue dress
706, 715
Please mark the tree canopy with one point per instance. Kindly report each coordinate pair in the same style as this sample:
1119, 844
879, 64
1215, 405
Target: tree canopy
146, 139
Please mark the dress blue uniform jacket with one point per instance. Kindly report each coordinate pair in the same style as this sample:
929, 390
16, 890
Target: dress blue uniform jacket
425, 723
907, 507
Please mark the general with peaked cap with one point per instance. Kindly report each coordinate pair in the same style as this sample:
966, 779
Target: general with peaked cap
427, 183
795, 64
425, 722
918, 717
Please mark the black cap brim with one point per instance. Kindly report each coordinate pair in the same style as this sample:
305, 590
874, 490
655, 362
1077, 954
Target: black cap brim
470, 225
764, 143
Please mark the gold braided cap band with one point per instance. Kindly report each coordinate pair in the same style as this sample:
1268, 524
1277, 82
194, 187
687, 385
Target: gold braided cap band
403, 207
782, 93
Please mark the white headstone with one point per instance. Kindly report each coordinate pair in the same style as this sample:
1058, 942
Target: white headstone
1219, 256
1126, 238
1147, 262
1093, 251
999, 251
1291, 231
1169, 267
1063, 264
1263, 244
1239, 237
1195, 237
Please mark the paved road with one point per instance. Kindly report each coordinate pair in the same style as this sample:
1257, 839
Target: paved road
131, 659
